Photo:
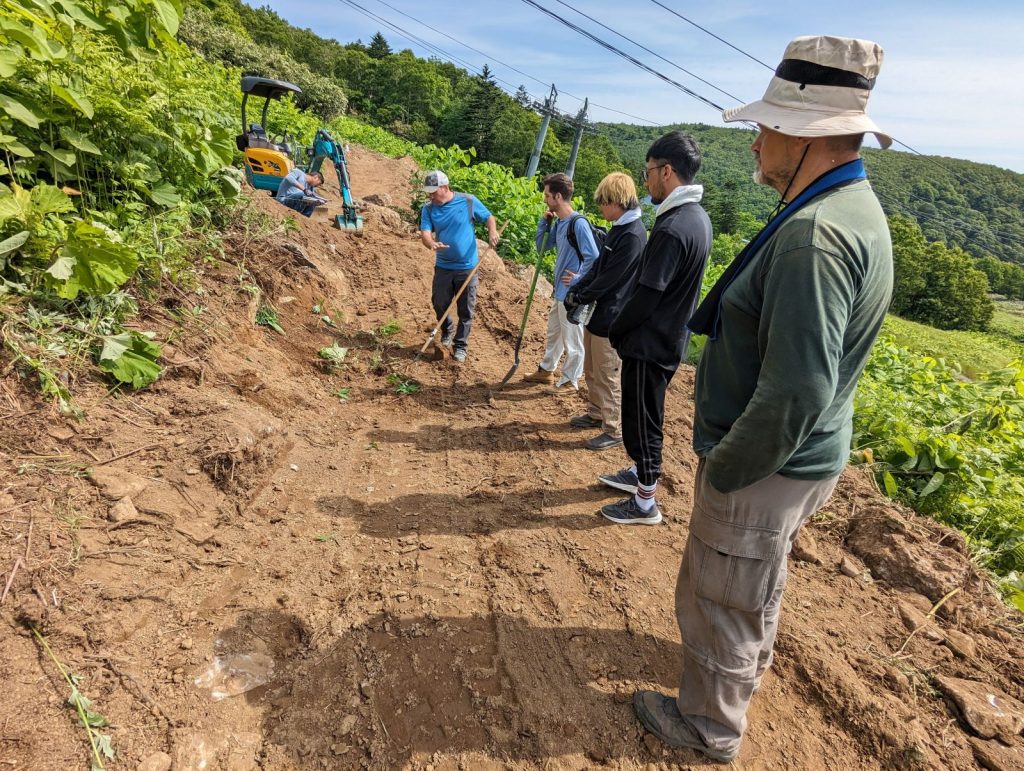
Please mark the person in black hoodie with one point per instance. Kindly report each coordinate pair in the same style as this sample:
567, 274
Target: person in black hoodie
606, 284
649, 333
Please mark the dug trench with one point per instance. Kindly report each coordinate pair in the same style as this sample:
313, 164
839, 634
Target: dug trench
271, 560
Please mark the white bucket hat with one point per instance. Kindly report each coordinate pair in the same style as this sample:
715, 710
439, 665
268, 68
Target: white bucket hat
821, 89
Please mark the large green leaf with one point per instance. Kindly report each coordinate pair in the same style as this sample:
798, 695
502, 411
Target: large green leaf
8, 63
65, 156
165, 194
92, 262
47, 199
168, 13
8, 245
933, 484
78, 101
79, 141
131, 357
17, 205
19, 111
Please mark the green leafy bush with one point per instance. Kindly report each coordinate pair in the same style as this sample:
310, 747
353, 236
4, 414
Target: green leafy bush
948, 447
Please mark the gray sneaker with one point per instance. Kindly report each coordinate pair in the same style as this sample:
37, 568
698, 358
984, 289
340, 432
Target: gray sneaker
660, 715
459, 355
625, 480
603, 441
448, 338
627, 512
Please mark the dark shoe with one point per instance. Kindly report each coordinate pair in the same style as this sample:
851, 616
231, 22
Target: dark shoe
625, 480
585, 421
459, 355
661, 717
603, 442
627, 512
449, 338
540, 376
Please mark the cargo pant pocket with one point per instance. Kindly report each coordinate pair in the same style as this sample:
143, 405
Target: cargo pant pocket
733, 565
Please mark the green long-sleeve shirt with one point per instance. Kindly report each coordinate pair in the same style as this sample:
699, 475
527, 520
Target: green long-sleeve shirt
774, 391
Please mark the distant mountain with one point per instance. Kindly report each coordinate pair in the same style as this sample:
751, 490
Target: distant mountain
975, 206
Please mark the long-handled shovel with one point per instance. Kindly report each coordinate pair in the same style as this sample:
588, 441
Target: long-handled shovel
526, 310
451, 306
447, 312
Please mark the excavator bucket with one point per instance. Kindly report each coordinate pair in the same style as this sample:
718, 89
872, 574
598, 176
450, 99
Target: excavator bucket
348, 221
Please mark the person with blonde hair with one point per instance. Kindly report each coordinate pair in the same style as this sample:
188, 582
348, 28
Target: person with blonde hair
605, 285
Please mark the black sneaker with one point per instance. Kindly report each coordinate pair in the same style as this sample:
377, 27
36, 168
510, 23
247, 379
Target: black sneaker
625, 480
585, 421
603, 441
627, 512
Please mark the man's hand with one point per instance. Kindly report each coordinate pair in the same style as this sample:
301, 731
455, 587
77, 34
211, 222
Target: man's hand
494, 239
438, 245
548, 216
567, 277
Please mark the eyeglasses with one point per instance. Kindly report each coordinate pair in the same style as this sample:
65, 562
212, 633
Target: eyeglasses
652, 168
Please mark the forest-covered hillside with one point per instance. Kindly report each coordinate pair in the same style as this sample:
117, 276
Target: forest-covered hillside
977, 207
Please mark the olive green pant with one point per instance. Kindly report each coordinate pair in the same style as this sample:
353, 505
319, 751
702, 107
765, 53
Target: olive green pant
729, 593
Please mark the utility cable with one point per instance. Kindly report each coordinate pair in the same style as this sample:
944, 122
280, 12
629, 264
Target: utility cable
494, 59
622, 54
716, 37
648, 50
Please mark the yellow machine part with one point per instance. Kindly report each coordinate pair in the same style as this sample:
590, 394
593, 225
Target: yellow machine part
271, 163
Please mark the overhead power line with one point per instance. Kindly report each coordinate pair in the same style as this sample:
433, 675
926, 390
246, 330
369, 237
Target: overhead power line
642, 47
489, 57
622, 54
709, 32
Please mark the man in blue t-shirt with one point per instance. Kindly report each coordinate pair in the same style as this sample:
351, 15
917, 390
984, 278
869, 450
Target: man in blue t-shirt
446, 228
298, 191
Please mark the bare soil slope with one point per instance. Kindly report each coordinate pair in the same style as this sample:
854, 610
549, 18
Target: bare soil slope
249, 570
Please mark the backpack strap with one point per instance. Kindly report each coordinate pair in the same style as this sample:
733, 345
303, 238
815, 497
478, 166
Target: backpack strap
571, 236
469, 205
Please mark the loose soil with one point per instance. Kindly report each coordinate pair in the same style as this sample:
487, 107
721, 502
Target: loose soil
306, 580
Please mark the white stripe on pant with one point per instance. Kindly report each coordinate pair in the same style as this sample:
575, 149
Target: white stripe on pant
563, 337
729, 593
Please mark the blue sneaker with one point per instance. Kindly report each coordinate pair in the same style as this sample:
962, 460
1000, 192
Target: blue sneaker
625, 480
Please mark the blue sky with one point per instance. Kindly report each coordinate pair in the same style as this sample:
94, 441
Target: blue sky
951, 83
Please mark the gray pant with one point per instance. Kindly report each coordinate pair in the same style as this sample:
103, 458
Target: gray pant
729, 593
446, 284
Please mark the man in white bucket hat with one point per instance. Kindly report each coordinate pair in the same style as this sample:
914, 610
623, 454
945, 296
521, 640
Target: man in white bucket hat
789, 325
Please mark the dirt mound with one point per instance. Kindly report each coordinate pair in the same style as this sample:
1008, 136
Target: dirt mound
274, 560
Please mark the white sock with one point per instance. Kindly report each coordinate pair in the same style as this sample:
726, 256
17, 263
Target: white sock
645, 496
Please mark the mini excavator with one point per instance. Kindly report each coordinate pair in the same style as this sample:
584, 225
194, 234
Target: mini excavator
269, 158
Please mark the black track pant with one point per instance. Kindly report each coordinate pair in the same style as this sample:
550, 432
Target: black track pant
643, 415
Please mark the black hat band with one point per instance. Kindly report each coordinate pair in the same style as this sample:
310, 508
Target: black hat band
811, 74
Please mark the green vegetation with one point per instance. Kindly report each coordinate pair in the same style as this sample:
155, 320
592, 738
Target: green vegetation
115, 142
951, 448
971, 353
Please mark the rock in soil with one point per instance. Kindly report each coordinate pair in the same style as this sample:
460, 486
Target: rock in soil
805, 548
158, 761
115, 484
122, 510
996, 757
988, 712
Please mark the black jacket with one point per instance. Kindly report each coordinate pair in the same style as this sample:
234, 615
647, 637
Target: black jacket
609, 279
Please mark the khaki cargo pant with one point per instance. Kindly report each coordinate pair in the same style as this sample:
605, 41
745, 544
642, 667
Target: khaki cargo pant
729, 593
602, 368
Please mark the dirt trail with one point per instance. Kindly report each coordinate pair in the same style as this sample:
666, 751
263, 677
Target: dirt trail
421, 580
